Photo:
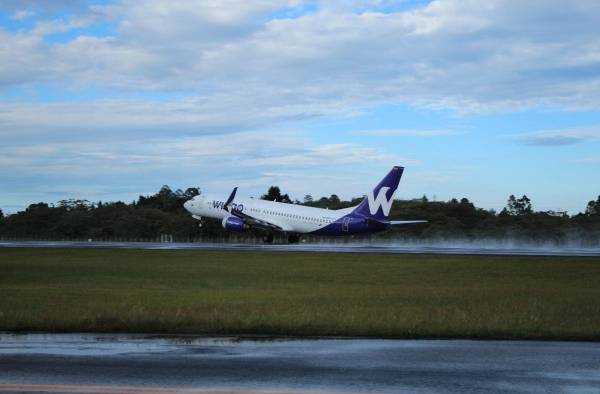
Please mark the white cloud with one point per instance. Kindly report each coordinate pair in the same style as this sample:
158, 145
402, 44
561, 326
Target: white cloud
591, 159
202, 23
410, 133
239, 64
560, 137
327, 155
251, 160
22, 15
163, 86
200, 115
248, 150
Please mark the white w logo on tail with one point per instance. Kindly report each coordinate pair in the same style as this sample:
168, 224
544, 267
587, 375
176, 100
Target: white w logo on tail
380, 201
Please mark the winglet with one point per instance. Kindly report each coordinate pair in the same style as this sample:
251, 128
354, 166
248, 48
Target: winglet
230, 199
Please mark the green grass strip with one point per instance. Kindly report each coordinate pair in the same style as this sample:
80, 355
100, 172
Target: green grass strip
300, 294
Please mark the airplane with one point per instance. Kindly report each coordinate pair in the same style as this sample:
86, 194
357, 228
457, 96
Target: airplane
241, 214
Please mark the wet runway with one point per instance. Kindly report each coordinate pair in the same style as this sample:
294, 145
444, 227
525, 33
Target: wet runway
449, 249
107, 363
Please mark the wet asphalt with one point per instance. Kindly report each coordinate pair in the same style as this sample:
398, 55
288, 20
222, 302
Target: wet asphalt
331, 365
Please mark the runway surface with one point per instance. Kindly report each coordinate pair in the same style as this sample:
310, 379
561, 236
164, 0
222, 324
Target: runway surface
106, 363
458, 249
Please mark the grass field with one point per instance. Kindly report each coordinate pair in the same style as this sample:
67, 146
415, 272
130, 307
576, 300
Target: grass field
408, 296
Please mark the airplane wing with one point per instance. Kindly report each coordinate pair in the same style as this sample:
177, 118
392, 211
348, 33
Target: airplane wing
251, 221
254, 222
400, 222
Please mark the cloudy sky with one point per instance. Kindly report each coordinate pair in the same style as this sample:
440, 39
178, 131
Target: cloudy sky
106, 100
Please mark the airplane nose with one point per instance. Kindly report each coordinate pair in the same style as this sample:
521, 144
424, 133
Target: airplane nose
187, 205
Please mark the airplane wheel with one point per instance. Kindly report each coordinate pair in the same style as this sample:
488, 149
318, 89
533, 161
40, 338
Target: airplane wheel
268, 239
293, 239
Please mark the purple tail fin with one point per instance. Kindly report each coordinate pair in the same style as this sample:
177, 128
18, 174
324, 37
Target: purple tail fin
378, 202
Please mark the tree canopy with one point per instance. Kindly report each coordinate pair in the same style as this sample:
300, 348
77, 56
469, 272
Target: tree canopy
593, 207
274, 194
518, 206
162, 213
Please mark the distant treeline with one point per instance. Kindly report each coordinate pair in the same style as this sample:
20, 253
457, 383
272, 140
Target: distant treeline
162, 213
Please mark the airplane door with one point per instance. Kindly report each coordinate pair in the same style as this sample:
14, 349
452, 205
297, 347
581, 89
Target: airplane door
345, 224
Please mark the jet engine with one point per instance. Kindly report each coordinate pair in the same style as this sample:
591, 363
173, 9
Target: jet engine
233, 223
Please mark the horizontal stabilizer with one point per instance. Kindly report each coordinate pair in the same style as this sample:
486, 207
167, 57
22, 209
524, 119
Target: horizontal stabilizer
399, 222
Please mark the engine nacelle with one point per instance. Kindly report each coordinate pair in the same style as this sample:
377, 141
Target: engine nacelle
233, 223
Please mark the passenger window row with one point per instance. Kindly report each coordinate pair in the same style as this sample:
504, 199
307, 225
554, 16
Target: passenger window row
300, 217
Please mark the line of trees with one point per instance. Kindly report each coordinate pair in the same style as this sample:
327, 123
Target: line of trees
144, 219
162, 213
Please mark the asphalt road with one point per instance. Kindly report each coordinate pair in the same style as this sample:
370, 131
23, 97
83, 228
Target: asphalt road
452, 249
106, 363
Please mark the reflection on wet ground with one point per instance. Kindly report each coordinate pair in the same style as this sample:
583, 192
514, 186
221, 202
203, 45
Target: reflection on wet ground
446, 248
140, 362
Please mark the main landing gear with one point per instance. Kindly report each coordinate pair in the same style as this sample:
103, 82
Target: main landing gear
293, 239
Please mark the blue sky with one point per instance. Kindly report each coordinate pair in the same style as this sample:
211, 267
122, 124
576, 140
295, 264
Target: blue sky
107, 100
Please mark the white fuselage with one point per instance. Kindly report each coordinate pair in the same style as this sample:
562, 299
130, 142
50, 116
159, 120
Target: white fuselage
290, 217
